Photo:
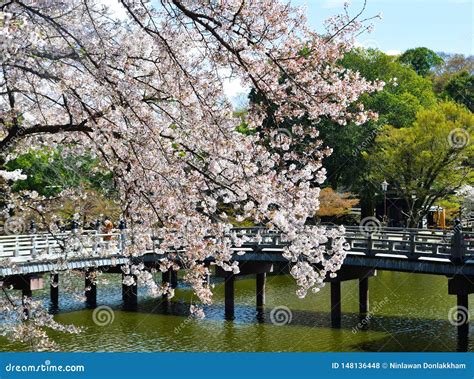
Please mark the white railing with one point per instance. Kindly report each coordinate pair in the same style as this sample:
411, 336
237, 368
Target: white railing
410, 243
41, 246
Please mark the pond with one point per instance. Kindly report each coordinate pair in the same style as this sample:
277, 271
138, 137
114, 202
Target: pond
409, 312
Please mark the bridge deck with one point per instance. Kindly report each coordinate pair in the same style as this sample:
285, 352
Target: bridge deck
411, 250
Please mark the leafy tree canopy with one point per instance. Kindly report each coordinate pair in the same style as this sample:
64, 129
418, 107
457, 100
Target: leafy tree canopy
460, 88
429, 160
421, 59
404, 94
49, 172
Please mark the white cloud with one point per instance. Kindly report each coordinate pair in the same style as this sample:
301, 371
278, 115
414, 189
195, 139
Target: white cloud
115, 8
393, 52
234, 87
367, 44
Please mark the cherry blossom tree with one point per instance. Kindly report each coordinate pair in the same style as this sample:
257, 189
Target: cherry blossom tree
145, 94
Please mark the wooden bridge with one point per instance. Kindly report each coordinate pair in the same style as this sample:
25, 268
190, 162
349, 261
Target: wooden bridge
439, 252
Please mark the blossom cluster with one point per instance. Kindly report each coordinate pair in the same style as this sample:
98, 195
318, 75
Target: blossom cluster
145, 94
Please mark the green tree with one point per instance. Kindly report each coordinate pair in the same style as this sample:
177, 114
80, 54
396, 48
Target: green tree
427, 162
421, 59
49, 172
397, 104
460, 88
405, 91
452, 65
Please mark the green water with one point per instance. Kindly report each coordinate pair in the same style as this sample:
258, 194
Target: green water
409, 313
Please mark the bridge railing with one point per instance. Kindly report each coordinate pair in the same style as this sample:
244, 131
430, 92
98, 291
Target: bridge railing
402, 243
410, 243
50, 246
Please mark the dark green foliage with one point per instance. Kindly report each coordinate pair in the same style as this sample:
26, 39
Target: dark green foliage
49, 172
421, 59
460, 88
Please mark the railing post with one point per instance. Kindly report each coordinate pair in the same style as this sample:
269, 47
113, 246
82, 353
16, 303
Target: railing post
74, 227
74, 233
95, 248
17, 247
123, 235
457, 244
412, 244
33, 238
369, 244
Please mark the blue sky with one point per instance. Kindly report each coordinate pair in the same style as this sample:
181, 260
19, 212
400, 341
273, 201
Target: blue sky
441, 25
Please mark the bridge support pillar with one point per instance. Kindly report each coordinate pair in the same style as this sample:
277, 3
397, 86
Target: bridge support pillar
166, 279
462, 317
130, 294
336, 304
461, 286
174, 279
90, 289
26, 292
261, 278
26, 283
229, 296
54, 290
363, 296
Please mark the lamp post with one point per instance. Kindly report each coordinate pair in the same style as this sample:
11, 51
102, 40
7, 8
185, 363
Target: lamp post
413, 200
384, 190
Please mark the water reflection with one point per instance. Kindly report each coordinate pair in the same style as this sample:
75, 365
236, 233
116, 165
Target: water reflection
408, 313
